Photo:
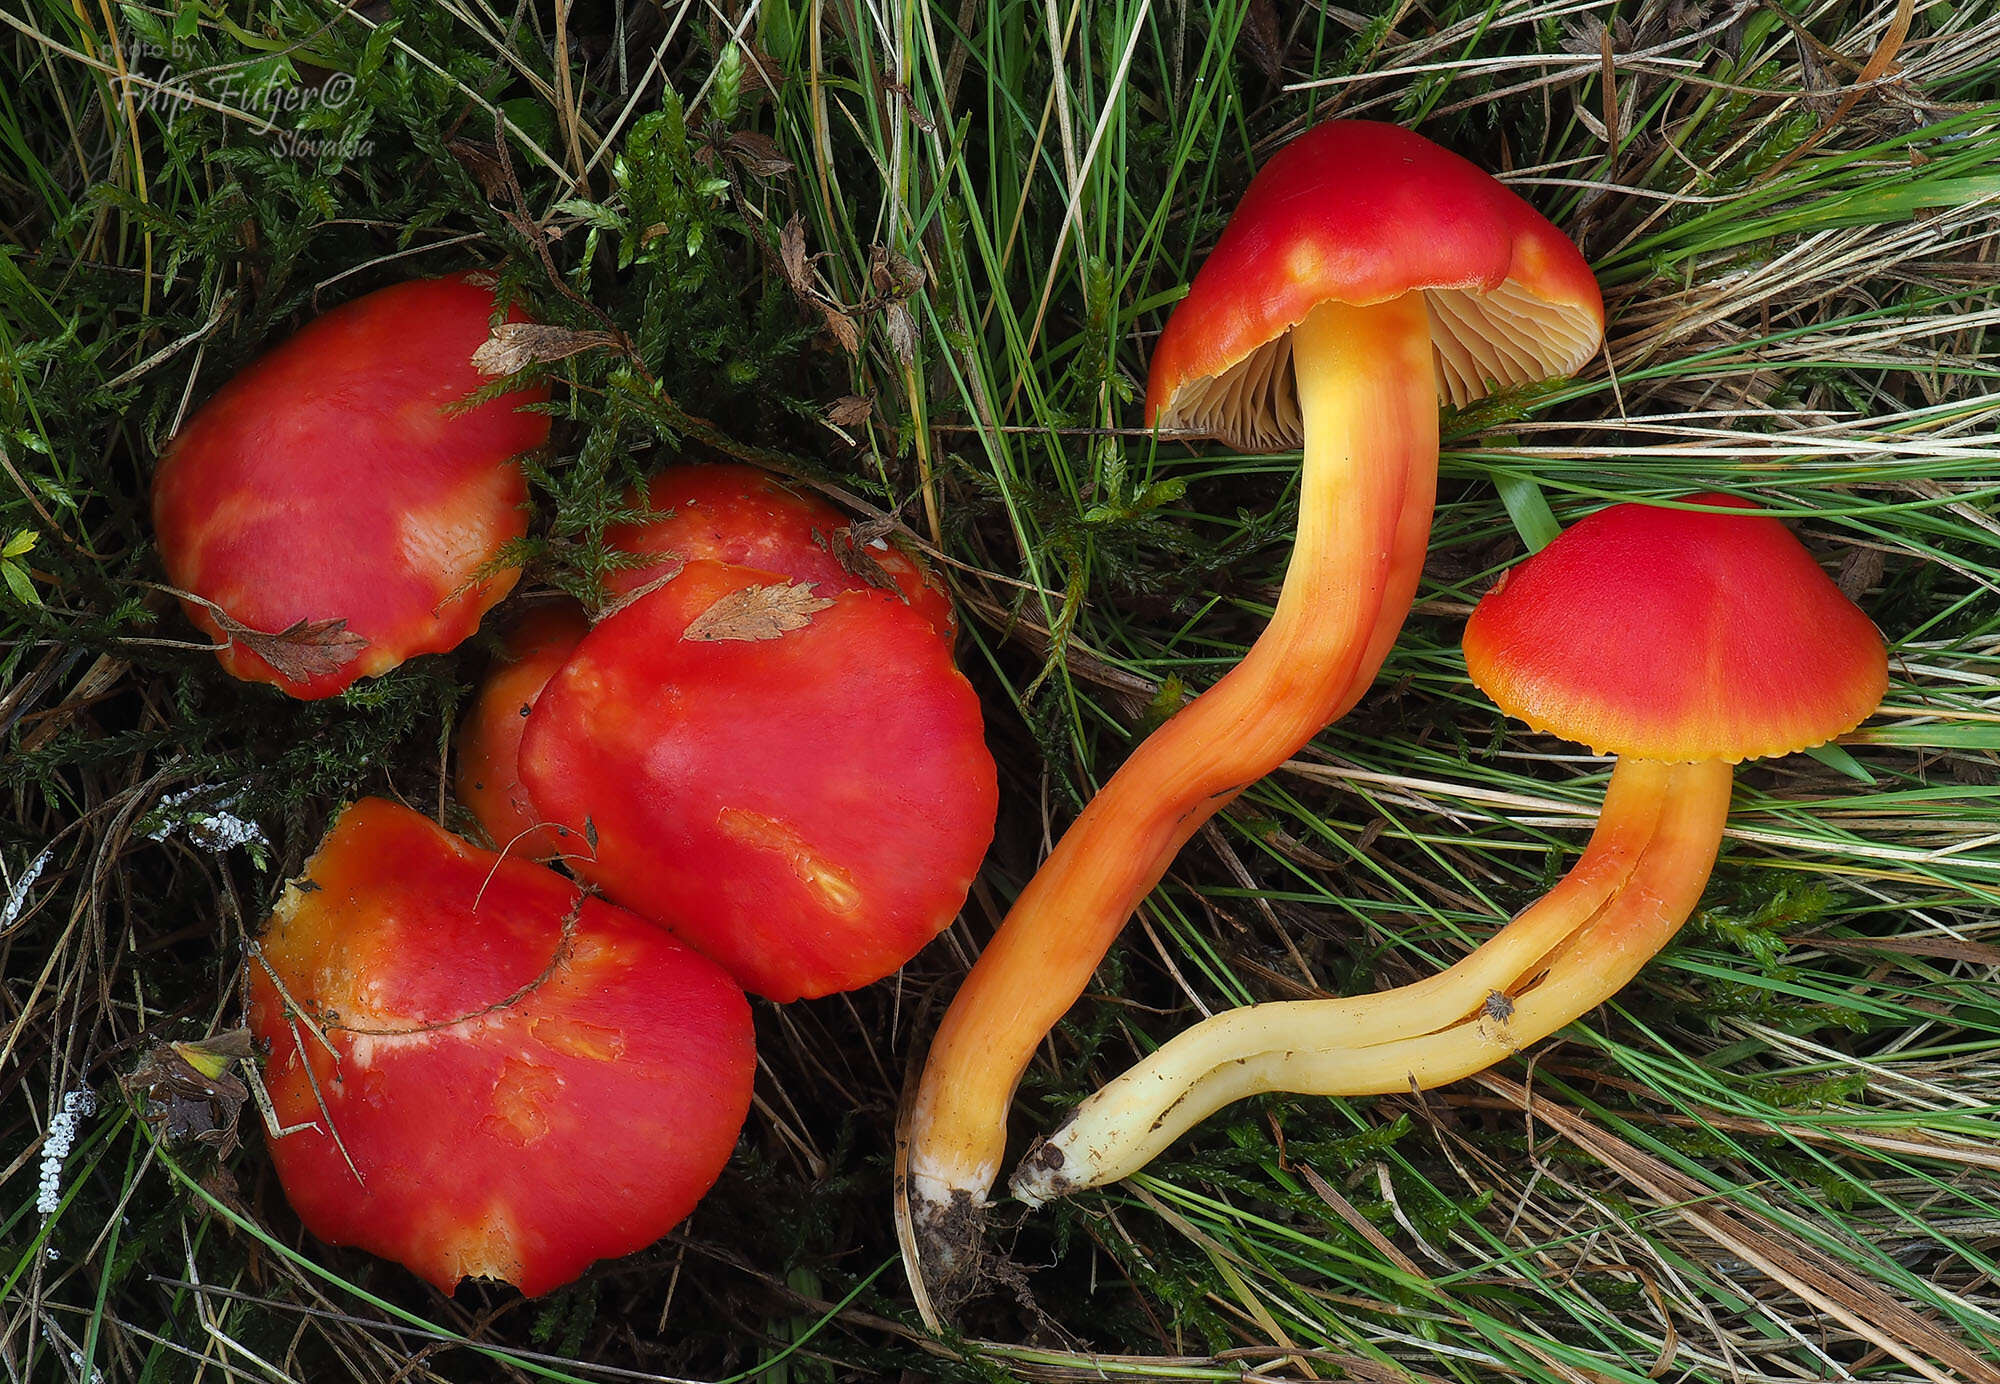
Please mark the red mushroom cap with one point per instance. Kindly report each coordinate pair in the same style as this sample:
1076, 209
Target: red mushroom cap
795, 781
1358, 212
489, 747
526, 1079
332, 479
744, 516
1676, 635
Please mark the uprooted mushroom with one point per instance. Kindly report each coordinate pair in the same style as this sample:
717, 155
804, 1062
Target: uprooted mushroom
1366, 275
1680, 640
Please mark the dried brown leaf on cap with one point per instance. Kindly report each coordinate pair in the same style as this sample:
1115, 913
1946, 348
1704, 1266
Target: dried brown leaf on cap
301, 651
757, 612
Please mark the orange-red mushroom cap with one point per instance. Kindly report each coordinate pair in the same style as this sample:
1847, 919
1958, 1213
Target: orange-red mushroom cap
337, 478
525, 1079
489, 747
1358, 212
794, 779
744, 516
1677, 635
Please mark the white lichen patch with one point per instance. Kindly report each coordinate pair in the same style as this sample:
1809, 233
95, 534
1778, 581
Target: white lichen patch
214, 826
77, 1106
17, 895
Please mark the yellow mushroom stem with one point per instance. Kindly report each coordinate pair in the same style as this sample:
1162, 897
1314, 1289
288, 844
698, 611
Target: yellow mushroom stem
1639, 879
1367, 393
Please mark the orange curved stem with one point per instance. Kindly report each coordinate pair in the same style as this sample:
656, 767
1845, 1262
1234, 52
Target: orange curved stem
1638, 880
1367, 394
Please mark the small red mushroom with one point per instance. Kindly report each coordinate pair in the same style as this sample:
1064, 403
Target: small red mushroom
502, 1077
489, 747
1684, 636
792, 778
741, 515
331, 510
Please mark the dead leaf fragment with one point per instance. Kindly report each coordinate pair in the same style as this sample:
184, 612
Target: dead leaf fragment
759, 154
853, 548
302, 652
1259, 35
902, 331
850, 411
843, 328
896, 280
517, 345
769, 73
792, 255
1860, 569
675, 564
187, 1092
894, 275
797, 267
757, 612
482, 161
